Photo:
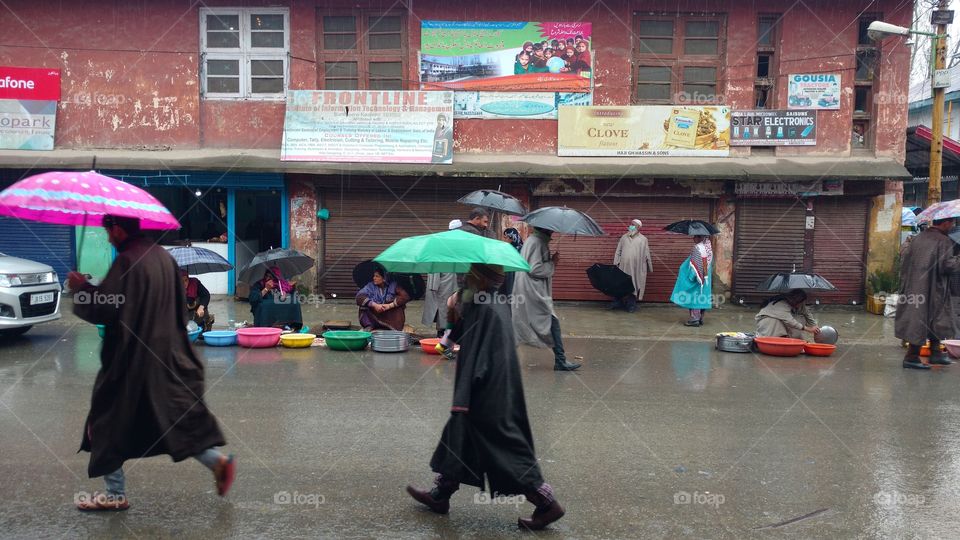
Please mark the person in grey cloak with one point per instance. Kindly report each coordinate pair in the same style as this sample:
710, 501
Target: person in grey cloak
487, 439
926, 312
148, 396
786, 315
533, 317
633, 257
439, 288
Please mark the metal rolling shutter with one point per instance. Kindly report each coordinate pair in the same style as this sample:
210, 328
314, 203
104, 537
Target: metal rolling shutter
40, 242
614, 214
769, 238
839, 239
366, 218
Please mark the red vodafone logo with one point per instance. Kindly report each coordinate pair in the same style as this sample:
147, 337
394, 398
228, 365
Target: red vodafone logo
29, 83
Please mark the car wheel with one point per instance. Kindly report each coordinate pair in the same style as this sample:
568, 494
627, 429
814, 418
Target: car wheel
14, 332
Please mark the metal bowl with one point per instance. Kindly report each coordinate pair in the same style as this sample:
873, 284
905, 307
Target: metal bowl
390, 341
828, 335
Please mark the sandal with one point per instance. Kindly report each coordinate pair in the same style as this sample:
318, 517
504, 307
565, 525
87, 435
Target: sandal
101, 502
224, 473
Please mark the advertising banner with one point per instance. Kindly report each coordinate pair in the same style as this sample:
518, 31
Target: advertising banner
28, 107
520, 105
368, 126
814, 91
646, 130
773, 128
506, 56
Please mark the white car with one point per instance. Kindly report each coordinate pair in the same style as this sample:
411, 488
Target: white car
29, 295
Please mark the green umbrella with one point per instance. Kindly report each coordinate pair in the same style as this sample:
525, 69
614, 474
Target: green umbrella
450, 251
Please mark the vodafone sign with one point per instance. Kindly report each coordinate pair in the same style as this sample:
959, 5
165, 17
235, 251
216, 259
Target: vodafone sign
20, 83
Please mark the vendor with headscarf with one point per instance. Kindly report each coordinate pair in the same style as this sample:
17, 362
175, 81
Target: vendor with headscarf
786, 315
382, 303
198, 301
693, 289
273, 301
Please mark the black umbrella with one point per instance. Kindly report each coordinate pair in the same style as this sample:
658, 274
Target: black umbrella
414, 284
955, 234
290, 261
610, 280
563, 220
785, 281
494, 200
692, 227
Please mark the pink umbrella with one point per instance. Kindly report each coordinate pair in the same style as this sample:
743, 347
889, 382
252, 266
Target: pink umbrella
940, 210
72, 198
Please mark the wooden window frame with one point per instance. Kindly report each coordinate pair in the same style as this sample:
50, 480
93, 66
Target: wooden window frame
677, 60
362, 55
245, 53
865, 117
768, 83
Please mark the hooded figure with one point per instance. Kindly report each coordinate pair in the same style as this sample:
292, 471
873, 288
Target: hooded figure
198, 301
633, 257
925, 312
786, 315
148, 395
439, 288
534, 320
487, 439
273, 302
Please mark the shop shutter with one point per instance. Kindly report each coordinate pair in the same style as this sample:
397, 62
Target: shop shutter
769, 239
839, 240
40, 242
614, 215
366, 217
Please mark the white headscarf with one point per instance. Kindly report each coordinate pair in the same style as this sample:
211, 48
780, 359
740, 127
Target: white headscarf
454, 224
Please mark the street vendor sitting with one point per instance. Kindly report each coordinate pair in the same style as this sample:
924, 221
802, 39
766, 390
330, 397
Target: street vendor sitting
382, 303
198, 301
273, 301
786, 315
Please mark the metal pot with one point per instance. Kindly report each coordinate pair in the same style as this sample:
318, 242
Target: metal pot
390, 341
735, 344
827, 335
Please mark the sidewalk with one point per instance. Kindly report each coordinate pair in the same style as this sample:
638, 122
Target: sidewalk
592, 320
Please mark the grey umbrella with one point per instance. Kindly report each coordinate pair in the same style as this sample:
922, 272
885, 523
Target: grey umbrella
290, 261
494, 200
196, 260
785, 281
563, 220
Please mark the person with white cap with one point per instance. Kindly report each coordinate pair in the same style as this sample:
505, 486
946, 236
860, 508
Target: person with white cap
439, 288
633, 257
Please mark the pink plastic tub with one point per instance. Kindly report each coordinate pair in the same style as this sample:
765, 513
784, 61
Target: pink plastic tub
258, 338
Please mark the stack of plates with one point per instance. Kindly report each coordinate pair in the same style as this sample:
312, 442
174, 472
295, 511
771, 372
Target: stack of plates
390, 341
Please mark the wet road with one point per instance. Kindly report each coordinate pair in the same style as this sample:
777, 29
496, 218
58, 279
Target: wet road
659, 436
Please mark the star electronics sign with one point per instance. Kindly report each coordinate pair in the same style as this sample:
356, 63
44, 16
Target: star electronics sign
28, 107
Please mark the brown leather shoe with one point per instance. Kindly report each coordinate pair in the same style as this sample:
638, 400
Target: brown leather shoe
441, 506
541, 518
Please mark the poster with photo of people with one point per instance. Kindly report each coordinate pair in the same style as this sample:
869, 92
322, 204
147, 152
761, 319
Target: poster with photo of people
506, 56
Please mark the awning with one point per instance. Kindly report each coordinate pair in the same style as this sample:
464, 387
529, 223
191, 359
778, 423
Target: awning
918, 153
757, 168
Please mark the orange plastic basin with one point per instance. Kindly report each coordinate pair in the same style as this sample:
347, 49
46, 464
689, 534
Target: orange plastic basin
780, 346
819, 349
429, 345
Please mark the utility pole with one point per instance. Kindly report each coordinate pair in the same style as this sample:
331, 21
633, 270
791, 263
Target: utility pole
936, 142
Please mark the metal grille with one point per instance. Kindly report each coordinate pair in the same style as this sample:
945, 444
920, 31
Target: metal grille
769, 239
838, 247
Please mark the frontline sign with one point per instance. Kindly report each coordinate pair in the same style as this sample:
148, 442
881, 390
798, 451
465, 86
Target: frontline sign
773, 128
28, 107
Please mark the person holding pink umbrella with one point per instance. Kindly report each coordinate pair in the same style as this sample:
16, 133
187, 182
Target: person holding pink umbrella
148, 396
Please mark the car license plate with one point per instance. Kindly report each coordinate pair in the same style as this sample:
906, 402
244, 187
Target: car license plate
41, 298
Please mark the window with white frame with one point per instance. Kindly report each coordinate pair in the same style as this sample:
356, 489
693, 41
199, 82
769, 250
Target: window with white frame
244, 52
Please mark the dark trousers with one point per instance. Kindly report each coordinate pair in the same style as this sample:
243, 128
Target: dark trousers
558, 354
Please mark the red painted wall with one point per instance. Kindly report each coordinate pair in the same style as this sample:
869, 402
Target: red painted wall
116, 96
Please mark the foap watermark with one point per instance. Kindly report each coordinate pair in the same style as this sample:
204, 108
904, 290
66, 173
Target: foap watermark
703, 499
684, 298
484, 497
103, 499
299, 499
494, 298
300, 298
699, 98
893, 499
96, 298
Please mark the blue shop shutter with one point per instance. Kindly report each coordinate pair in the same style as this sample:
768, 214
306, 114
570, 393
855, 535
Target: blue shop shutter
40, 242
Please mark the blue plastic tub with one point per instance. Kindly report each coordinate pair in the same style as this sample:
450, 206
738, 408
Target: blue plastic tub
195, 334
220, 338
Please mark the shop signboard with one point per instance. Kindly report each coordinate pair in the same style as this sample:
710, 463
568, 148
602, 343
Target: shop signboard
814, 91
28, 107
519, 105
773, 128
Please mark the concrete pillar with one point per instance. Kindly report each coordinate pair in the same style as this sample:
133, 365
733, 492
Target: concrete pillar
303, 225
725, 217
883, 232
